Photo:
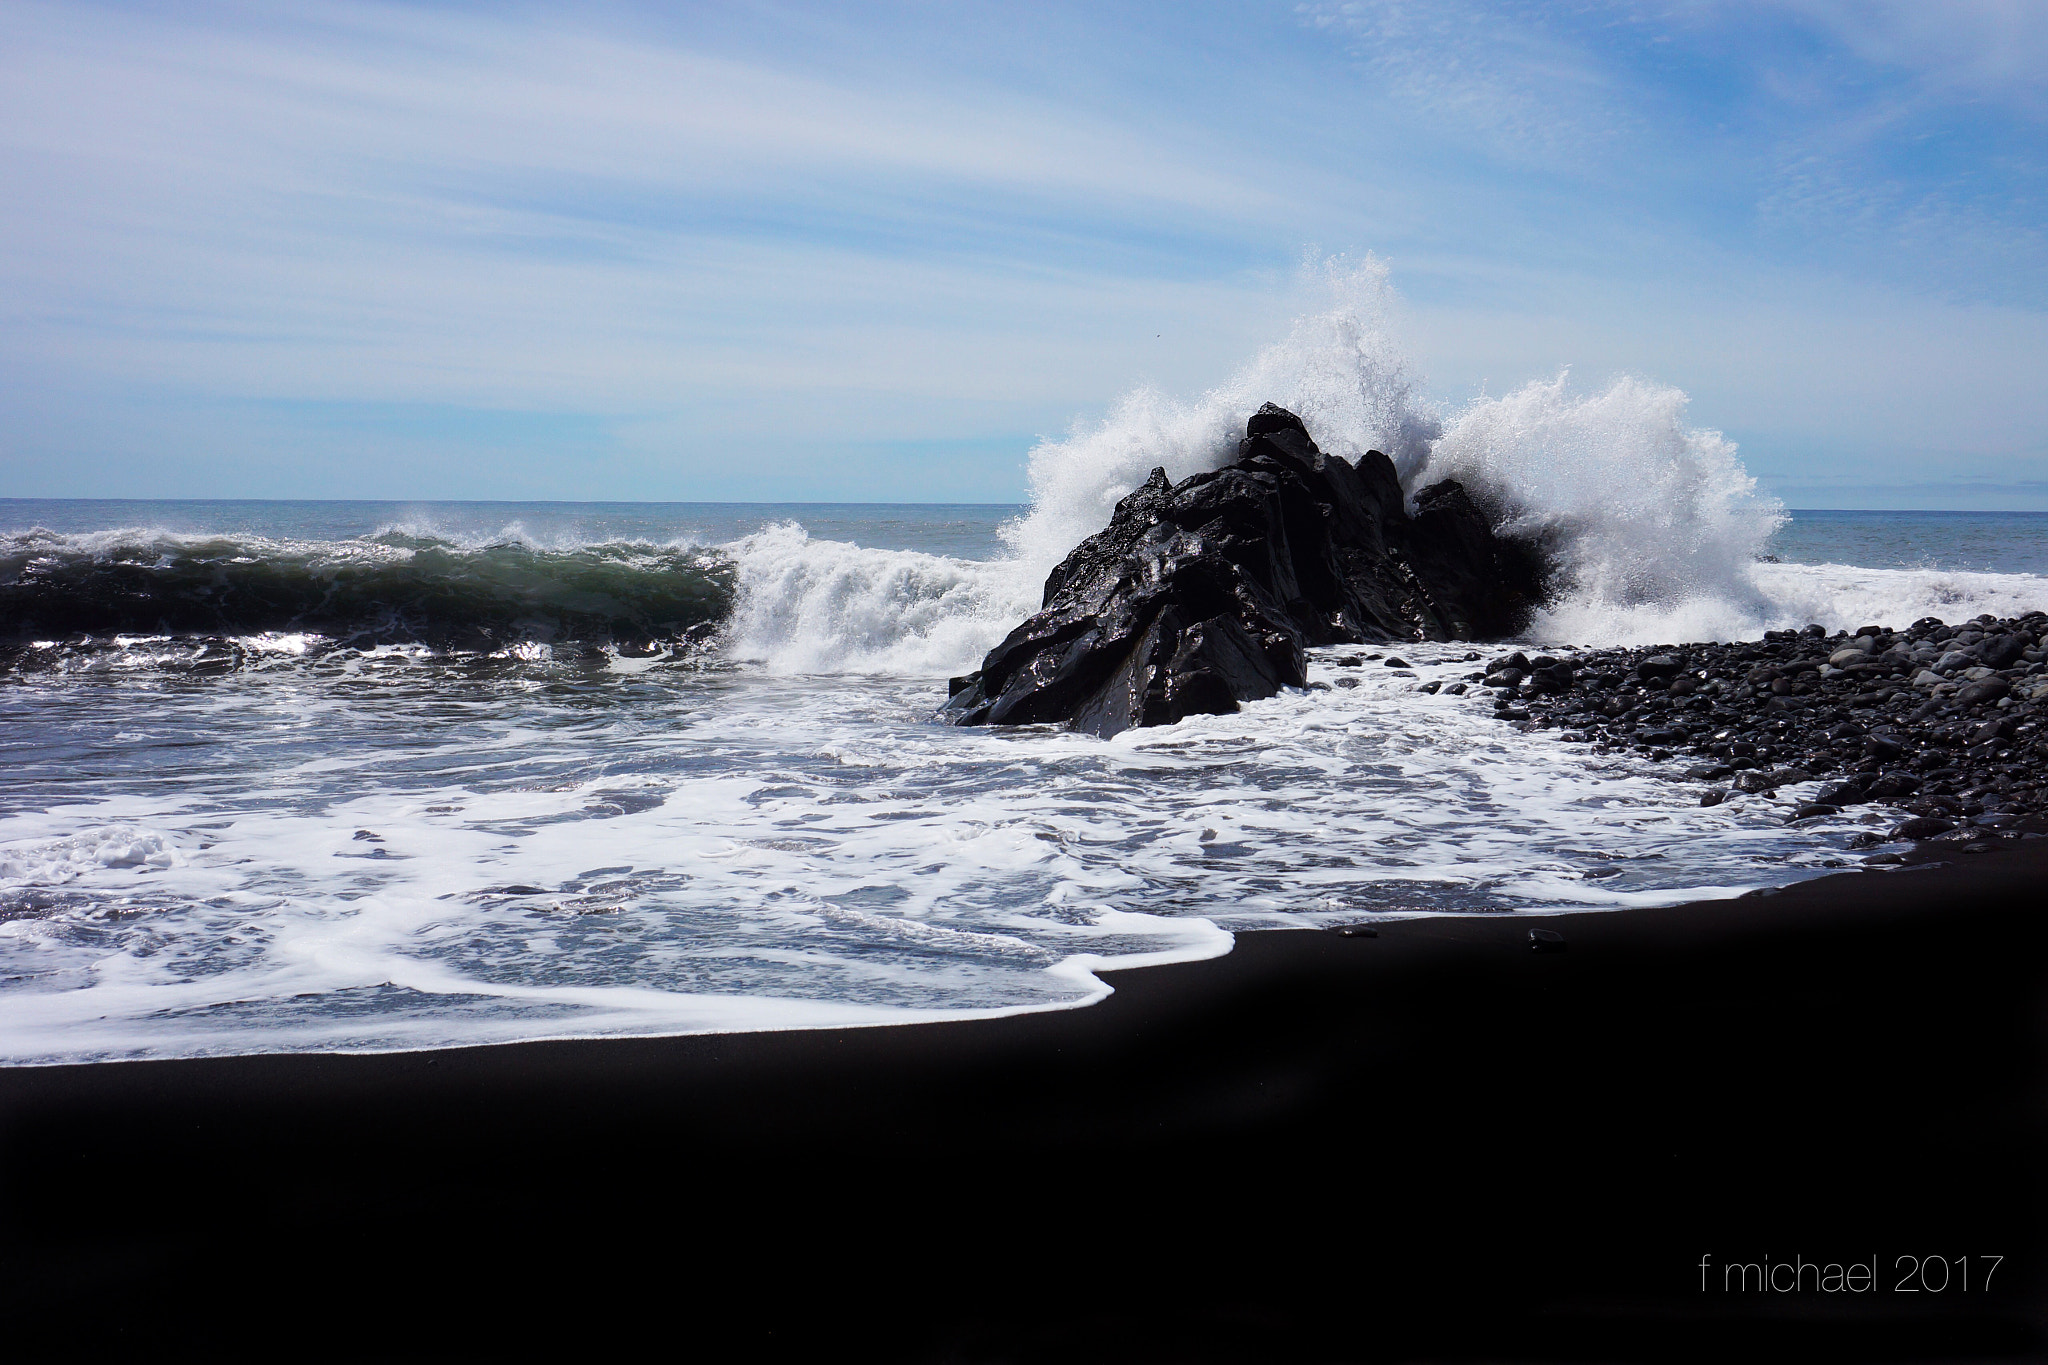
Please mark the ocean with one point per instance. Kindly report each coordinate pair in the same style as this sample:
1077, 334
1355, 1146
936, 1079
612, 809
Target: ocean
421, 775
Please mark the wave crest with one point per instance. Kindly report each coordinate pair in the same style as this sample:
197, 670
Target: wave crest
825, 606
395, 588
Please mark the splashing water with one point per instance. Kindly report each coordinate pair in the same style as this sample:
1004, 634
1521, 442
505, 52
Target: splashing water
818, 607
1650, 520
808, 606
1338, 369
1655, 525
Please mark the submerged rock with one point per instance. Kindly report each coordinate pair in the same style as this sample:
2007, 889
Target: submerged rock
1203, 594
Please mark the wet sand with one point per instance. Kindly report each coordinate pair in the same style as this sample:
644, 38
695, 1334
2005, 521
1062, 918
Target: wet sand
1435, 1143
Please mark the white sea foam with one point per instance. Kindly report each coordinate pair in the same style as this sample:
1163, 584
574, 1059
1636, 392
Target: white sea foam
811, 606
1787, 596
137, 544
392, 543
1844, 596
740, 849
53, 862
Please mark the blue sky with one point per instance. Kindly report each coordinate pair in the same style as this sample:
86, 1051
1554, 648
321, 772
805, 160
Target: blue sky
873, 253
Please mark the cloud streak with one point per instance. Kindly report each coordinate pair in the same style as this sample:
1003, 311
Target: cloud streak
956, 223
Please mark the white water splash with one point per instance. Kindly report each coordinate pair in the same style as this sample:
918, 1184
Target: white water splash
824, 606
818, 606
1650, 518
1788, 596
1339, 369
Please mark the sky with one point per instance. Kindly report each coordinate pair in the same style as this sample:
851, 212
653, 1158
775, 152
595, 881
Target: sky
876, 252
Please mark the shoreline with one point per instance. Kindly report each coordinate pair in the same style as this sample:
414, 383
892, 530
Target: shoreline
1432, 1143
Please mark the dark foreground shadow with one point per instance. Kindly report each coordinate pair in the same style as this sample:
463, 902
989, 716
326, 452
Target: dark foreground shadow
1435, 1144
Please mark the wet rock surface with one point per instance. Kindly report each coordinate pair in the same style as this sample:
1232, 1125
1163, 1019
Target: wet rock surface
1933, 732
1203, 594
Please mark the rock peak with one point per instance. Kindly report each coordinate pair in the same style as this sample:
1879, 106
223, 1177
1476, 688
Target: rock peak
1203, 594
1271, 418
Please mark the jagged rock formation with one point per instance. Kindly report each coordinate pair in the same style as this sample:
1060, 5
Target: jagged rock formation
1203, 594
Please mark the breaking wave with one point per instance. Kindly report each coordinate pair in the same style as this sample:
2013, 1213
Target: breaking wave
397, 587
1643, 513
824, 606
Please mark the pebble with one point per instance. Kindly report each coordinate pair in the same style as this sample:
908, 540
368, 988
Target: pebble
1944, 725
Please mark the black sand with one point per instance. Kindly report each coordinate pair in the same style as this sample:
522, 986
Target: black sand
1433, 1144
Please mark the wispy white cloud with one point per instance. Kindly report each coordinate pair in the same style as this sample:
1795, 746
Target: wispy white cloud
1897, 138
375, 205
946, 221
361, 89
1956, 49
1503, 73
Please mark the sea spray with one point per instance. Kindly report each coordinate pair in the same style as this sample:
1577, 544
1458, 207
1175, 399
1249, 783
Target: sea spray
1650, 520
1654, 523
811, 606
1339, 369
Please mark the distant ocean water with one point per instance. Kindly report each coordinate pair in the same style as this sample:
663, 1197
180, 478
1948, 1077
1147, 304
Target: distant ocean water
1968, 542
1973, 542
1977, 542
967, 531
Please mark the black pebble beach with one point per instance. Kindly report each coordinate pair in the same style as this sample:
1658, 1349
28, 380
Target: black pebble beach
1931, 732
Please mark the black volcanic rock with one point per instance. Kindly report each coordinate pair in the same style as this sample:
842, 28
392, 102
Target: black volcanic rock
1965, 756
1203, 594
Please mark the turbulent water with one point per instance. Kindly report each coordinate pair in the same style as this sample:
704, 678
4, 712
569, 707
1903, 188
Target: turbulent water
363, 776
